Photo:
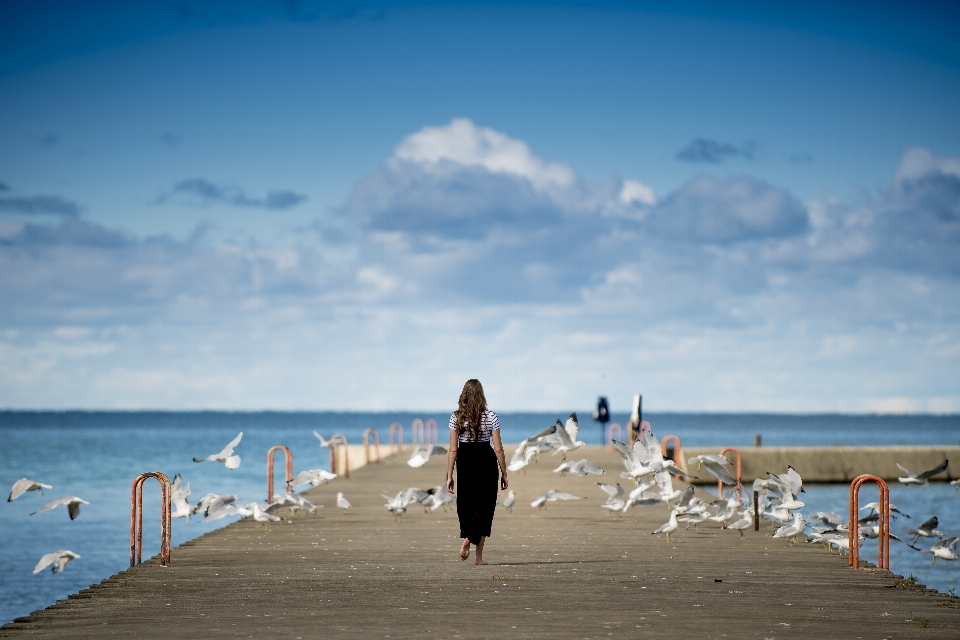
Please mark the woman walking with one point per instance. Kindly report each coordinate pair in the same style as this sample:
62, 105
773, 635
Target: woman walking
472, 429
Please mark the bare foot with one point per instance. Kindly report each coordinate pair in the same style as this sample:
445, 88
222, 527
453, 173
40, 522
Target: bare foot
465, 550
480, 562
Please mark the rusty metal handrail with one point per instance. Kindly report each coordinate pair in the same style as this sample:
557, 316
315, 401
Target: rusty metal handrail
883, 534
642, 428
430, 427
397, 428
136, 517
336, 442
289, 458
416, 432
677, 458
376, 443
739, 474
610, 435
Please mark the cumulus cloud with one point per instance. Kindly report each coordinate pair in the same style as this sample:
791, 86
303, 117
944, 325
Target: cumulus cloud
707, 150
206, 191
465, 254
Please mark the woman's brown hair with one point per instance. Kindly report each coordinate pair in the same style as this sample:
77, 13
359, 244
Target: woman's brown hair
469, 414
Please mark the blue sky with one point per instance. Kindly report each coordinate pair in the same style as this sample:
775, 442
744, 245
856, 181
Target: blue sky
304, 205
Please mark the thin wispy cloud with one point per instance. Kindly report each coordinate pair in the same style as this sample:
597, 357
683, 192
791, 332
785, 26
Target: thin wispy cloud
715, 152
207, 192
34, 205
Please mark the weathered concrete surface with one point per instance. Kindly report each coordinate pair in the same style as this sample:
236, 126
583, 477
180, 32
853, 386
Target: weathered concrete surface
569, 571
837, 464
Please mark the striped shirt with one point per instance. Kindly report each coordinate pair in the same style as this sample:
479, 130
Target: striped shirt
491, 423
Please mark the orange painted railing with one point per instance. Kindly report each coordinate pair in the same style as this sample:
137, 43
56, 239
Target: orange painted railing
397, 428
431, 430
136, 517
416, 431
739, 474
610, 435
677, 458
883, 537
337, 441
376, 443
289, 457
642, 429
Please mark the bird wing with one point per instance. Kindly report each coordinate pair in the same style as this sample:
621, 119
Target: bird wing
517, 456
572, 427
909, 473
228, 450
610, 490
929, 473
565, 439
46, 560
929, 524
73, 507
589, 467
437, 450
546, 432
23, 485
719, 471
323, 443
53, 504
560, 495
794, 481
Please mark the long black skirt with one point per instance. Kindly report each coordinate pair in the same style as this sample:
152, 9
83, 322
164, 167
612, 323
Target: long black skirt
478, 477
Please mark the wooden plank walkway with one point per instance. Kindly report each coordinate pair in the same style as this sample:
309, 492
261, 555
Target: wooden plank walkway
569, 571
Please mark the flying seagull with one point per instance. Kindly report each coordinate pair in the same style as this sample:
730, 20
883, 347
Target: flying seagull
580, 468
73, 506
421, 454
946, 549
23, 485
314, 477
922, 478
226, 456
59, 559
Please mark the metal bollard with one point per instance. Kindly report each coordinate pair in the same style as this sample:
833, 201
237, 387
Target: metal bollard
397, 428
431, 431
336, 442
376, 443
610, 435
136, 517
739, 474
883, 536
756, 511
289, 458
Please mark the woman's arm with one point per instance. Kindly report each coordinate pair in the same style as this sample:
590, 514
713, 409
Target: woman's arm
498, 449
452, 457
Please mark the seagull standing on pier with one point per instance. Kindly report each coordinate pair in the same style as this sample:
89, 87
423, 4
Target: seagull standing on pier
342, 502
23, 485
226, 456
669, 526
509, 501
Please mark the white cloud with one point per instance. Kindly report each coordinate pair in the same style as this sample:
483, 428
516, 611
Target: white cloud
467, 255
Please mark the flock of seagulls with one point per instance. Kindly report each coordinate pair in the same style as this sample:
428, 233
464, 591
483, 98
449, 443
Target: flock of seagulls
60, 558
210, 507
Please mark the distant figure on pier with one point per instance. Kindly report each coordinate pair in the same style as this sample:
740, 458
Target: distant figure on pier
472, 430
602, 415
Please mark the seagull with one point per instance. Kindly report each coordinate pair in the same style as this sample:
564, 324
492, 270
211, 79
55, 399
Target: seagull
178, 498
213, 503
715, 465
73, 506
421, 454
568, 436
926, 529
314, 477
293, 501
260, 515
922, 478
323, 442
827, 518
528, 449
552, 496
23, 485
946, 549
438, 497
745, 522
615, 501
793, 529
59, 559
875, 506
226, 456
509, 501
668, 527
580, 468
342, 502
956, 483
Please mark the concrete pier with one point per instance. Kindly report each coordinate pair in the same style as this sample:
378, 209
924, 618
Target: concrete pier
571, 570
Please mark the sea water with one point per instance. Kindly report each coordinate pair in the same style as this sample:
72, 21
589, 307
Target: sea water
96, 456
